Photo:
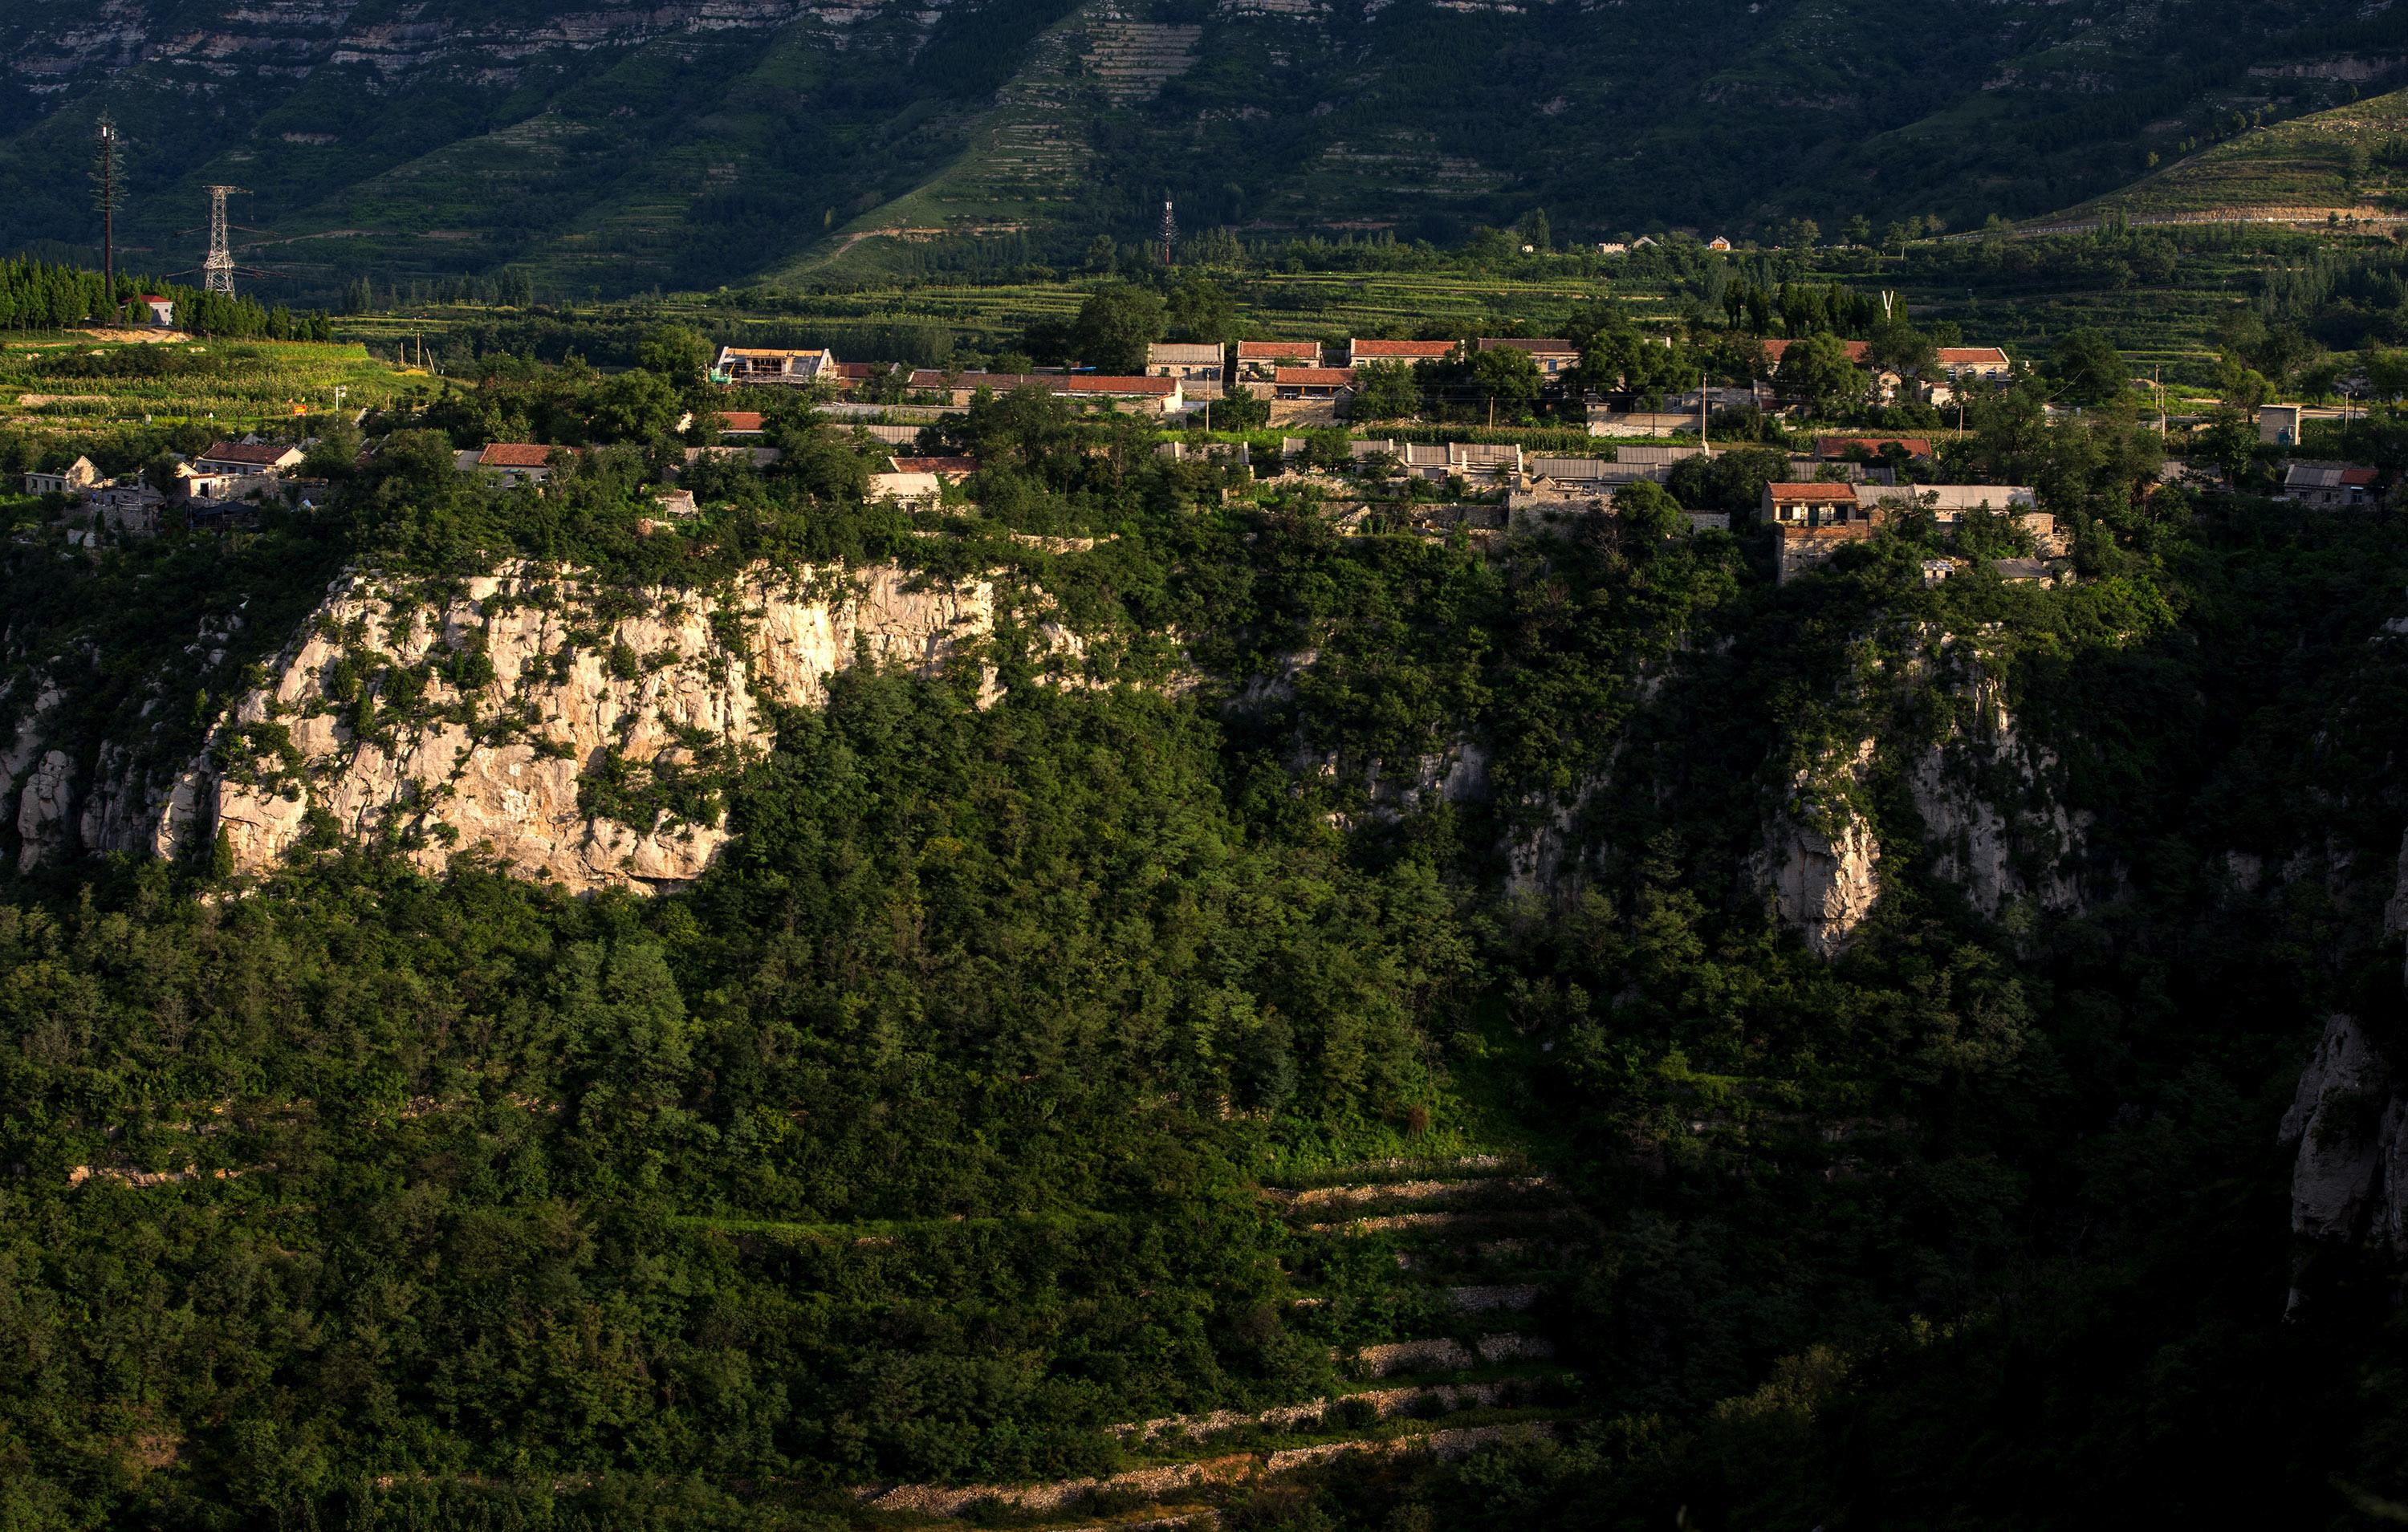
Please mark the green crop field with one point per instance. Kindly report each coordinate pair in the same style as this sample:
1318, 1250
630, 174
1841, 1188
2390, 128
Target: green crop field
66, 381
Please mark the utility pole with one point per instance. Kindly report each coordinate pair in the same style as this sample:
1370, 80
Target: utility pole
1702, 443
107, 196
217, 270
1169, 235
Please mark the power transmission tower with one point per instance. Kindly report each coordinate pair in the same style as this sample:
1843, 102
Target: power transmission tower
107, 196
1169, 235
217, 269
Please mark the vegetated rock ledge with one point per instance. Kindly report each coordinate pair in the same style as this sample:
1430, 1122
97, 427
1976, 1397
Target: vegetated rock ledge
575, 733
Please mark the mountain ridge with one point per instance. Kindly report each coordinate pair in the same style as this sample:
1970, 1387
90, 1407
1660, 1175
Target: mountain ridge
702, 142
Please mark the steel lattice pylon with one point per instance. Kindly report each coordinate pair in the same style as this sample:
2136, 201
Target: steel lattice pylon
217, 269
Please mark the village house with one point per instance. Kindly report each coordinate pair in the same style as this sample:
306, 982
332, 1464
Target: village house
1613, 247
1974, 363
773, 364
1949, 503
1313, 383
1813, 522
1258, 360
2278, 426
850, 378
129, 504
2329, 486
74, 479
1199, 363
249, 457
207, 489
162, 309
1359, 352
1718, 243
1813, 505
678, 503
947, 470
739, 422
515, 462
1553, 358
913, 488
1159, 395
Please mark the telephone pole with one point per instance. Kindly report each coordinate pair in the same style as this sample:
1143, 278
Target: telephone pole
107, 194
217, 269
1169, 235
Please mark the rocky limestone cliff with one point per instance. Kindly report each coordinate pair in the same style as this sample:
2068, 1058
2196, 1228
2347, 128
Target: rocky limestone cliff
574, 734
1991, 825
1819, 862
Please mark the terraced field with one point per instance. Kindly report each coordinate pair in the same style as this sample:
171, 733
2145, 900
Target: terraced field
2294, 171
1436, 1287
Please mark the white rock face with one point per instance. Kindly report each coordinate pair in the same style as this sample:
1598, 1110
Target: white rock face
498, 766
1975, 844
1820, 863
45, 809
2346, 1124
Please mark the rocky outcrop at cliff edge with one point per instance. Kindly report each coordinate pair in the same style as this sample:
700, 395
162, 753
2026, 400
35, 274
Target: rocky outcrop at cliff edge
1819, 864
577, 735
1992, 824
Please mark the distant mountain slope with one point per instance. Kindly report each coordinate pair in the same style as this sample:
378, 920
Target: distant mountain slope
2350, 160
695, 142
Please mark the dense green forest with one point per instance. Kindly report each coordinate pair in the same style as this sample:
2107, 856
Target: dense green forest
957, 1114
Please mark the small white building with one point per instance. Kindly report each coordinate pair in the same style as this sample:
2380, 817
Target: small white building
74, 479
1197, 362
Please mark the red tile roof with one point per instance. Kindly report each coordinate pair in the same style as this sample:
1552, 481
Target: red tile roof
1971, 356
739, 420
1833, 447
514, 455
863, 372
1308, 377
2358, 475
937, 465
1402, 351
1812, 494
1275, 351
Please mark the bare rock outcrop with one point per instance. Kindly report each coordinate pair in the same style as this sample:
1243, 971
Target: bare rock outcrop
45, 810
576, 733
1992, 826
2345, 1119
1819, 864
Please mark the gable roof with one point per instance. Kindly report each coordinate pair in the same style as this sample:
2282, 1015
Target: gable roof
739, 420
1812, 494
265, 453
1274, 350
1401, 351
1528, 347
1334, 377
514, 455
1972, 357
1183, 353
2324, 476
940, 466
